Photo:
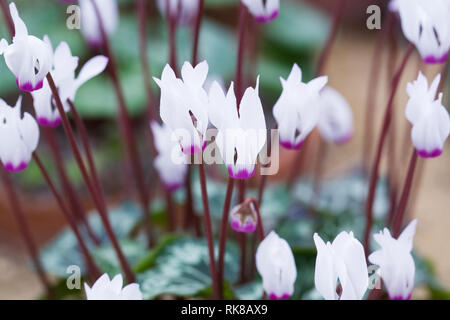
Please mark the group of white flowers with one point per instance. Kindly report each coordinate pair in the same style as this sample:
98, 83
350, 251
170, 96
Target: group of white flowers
187, 107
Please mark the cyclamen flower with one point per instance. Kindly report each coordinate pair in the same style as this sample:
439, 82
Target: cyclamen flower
184, 105
244, 217
241, 134
343, 259
425, 23
396, 262
106, 289
336, 117
170, 162
430, 120
276, 265
90, 28
19, 136
263, 10
297, 110
28, 57
184, 11
63, 73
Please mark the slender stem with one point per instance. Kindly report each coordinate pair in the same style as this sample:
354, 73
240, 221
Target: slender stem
262, 184
208, 229
172, 25
260, 223
372, 90
223, 234
24, 229
243, 244
97, 197
337, 16
398, 219
8, 20
92, 267
377, 159
125, 128
241, 50
198, 23
141, 11
170, 211
67, 186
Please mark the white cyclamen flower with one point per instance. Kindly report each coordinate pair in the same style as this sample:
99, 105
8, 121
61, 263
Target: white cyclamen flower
297, 110
184, 11
343, 259
263, 10
241, 134
430, 120
19, 136
170, 161
396, 262
184, 105
276, 265
336, 117
28, 57
425, 23
63, 73
106, 289
90, 28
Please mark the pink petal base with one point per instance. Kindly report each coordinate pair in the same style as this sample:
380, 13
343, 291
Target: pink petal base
290, 146
247, 228
28, 86
48, 123
266, 19
171, 187
401, 298
11, 168
434, 60
241, 174
426, 154
193, 149
273, 296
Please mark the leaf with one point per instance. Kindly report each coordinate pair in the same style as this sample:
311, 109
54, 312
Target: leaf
63, 250
250, 291
182, 269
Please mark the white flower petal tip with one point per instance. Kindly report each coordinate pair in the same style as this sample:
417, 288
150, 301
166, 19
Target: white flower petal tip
241, 135
429, 118
28, 57
276, 265
106, 289
19, 137
171, 162
342, 260
395, 261
426, 25
90, 29
244, 218
336, 124
297, 111
263, 11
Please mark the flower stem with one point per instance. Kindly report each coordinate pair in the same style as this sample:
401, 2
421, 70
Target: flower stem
67, 187
223, 234
372, 90
377, 159
8, 20
97, 197
208, 229
171, 222
172, 25
24, 229
298, 163
399, 216
94, 271
241, 50
198, 23
125, 128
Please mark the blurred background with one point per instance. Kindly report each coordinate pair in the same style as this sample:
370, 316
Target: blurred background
297, 35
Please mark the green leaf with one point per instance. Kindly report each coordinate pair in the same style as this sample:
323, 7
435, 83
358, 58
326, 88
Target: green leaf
250, 291
182, 269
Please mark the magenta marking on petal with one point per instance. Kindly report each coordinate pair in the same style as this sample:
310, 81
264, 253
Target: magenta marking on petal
28, 86
246, 228
284, 296
289, 145
171, 187
11, 168
48, 123
433, 154
241, 174
401, 297
434, 60
193, 149
344, 139
266, 19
